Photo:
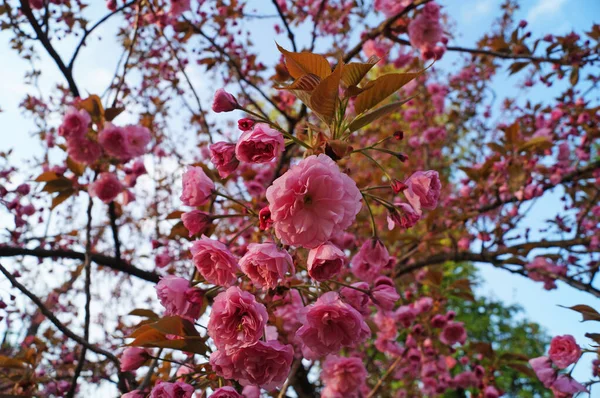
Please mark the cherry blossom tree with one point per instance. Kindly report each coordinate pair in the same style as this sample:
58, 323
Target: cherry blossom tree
310, 229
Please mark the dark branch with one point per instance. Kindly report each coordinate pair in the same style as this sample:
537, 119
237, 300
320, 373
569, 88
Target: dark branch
111, 262
43, 38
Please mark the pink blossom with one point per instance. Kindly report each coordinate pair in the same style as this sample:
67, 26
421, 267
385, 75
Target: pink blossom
344, 376
325, 261
236, 320
251, 392
548, 272
162, 259
246, 124
178, 7
312, 201
376, 48
259, 145
197, 187
266, 265
543, 370
196, 221
567, 385
384, 293
224, 102
371, 260
330, 325
36, 4
138, 137
83, 150
114, 141
214, 261
133, 358
405, 315
75, 124
425, 31
403, 216
423, 190
179, 389
453, 332
491, 392
289, 312
106, 187
226, 392
564, 351
356, 296
178, 298
264, 364
391, 7
222, 155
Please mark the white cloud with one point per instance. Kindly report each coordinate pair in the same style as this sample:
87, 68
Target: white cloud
544, 8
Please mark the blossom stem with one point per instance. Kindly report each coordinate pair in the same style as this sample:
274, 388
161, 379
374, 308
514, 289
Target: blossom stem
362, 152
384, 377
349, 286
373, 227
218, 193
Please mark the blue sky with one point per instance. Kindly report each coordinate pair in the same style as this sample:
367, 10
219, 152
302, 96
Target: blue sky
472, 18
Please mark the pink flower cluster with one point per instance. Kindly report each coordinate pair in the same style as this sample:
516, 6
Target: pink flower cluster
425, 32
236, 324
542, 270
564, 351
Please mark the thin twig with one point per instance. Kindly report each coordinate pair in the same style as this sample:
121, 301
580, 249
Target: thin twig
88, 296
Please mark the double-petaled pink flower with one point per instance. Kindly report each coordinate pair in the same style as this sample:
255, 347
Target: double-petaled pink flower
259, 145
222, 155
106, 187
133, 358
312, 201
178, 298
423, 190
344, 376
370, 261
331, 324
264, 364
236, 320
178, 389
266, 264
197, 187
75, 124
564, 351
325, 261
214, 261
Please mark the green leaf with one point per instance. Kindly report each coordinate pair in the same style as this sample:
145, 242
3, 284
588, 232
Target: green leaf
380, 89
364, 120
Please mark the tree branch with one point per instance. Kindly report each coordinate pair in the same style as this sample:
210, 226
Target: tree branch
381, 29
287, 26
111, 262
43, 38
479, 51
